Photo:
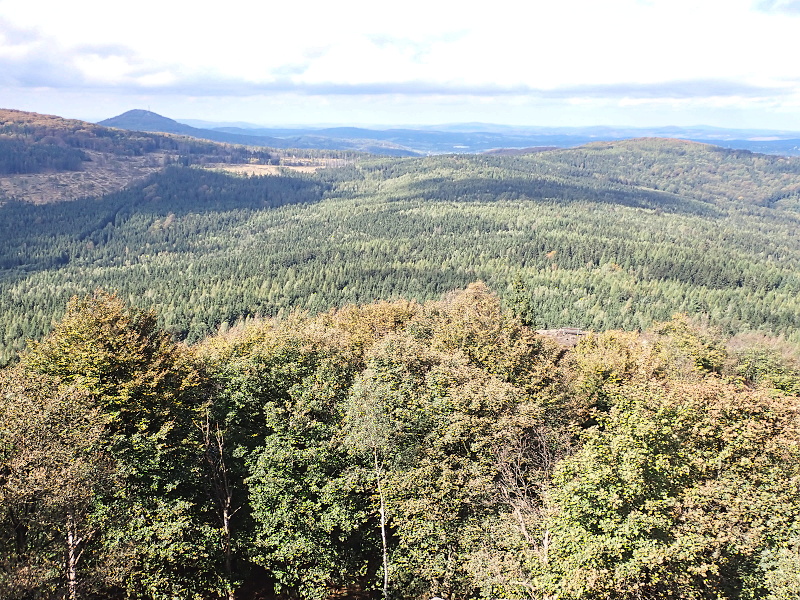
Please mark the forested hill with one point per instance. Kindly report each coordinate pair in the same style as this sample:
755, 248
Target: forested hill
33, 142
44, 158
689, 169
608, 235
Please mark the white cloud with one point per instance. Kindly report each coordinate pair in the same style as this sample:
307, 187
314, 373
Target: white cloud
632, 50
789, 7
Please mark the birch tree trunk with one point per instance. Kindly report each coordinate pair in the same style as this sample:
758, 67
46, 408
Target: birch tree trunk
214, 441
383, 526
73, 555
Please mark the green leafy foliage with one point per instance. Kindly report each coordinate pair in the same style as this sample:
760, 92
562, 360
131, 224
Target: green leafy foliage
445, 440
668, 494
148, 393
54, 468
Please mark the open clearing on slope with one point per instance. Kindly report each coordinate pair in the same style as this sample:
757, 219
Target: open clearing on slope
104, 174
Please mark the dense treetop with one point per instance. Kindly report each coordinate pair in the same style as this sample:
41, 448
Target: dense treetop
446, 440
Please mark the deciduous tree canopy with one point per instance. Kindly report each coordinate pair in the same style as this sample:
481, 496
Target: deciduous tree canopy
439, 448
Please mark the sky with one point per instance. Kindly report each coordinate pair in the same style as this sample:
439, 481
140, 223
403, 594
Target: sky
726, 63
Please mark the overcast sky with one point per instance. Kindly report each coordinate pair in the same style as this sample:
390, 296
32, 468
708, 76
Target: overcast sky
730, 63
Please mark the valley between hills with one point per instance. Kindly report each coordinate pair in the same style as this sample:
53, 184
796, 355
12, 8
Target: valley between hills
240, 371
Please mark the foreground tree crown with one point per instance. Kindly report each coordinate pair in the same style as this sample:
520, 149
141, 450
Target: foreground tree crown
397, 449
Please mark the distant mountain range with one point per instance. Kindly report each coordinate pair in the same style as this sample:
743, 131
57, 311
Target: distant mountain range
454, 138
144, 120
483, 137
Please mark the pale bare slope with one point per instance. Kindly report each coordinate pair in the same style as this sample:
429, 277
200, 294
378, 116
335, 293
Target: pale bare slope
105, 173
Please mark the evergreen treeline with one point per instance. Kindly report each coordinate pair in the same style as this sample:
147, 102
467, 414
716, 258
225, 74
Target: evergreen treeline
17, 157
397, 448
607, 236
